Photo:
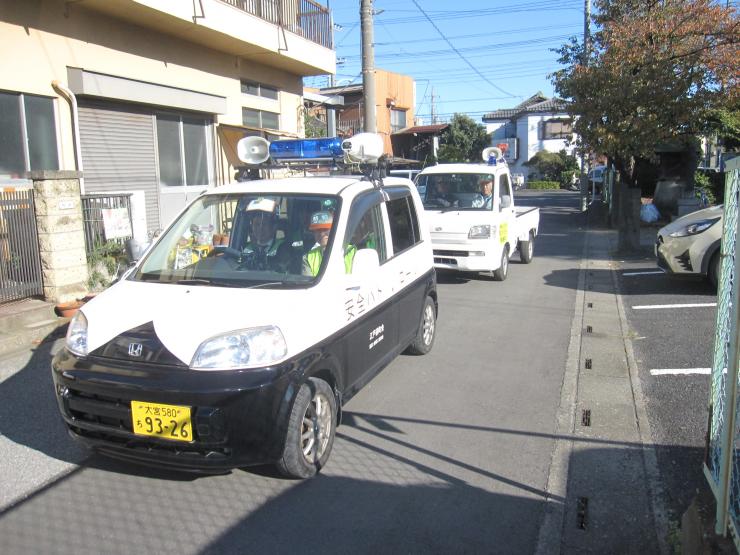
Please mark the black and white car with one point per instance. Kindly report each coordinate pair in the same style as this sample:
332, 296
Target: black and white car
222, 349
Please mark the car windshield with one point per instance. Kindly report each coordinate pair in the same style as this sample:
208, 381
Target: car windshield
456, 191
245, 240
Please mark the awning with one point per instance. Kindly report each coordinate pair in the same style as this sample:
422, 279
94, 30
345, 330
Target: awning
231, 134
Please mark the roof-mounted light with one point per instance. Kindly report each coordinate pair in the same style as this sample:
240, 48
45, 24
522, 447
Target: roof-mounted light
305, 150
493, 155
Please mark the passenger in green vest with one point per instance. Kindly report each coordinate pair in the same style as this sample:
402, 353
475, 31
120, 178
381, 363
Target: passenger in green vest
363, 238
320, 225
264, 251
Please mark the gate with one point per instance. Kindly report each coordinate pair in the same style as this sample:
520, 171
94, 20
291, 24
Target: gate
20, 262
722, 461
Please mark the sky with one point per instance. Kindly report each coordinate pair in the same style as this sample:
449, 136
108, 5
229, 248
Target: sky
466, 56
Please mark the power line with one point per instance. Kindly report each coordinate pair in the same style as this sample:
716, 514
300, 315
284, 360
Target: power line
459, 54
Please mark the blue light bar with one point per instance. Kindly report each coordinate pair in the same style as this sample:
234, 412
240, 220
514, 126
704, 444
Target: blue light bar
307, 149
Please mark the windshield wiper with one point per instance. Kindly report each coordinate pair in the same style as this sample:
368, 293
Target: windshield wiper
203, 281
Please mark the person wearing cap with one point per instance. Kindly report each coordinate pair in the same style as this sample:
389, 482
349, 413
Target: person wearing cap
363, 238
485, 198
320, 226
264, 251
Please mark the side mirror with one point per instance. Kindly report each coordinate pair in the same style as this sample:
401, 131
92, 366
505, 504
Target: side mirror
505, 201
365, 263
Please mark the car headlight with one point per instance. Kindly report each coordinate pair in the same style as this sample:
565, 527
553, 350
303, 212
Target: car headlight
695, 228
247, 348
479, 232
77, 335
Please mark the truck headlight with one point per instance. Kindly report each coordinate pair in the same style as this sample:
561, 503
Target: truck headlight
246, 348
479, 232
695, 228
76, 340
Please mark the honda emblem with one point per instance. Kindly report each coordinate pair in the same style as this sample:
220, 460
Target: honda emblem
135, 349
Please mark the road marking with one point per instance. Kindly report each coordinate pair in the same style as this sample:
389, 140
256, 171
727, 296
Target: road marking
657, 306
651, 273
679, 371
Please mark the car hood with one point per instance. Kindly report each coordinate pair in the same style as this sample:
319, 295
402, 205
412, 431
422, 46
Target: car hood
693, 217
183, 316
455, 221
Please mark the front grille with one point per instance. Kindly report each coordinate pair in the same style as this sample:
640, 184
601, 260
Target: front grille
440, 260
451, 253
99, 409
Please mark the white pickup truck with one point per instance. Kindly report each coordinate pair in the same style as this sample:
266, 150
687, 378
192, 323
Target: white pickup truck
474, 224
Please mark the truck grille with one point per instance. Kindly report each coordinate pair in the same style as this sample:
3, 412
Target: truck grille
451, 253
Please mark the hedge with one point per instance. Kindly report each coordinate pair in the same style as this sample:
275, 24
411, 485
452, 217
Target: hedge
543, 185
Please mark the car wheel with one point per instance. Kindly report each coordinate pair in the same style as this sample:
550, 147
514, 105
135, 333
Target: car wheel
427, 330
311, 427
713, 270
503, 269
526, 249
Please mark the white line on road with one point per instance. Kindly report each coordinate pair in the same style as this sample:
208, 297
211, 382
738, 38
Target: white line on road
651, 273
679, 371
656, 306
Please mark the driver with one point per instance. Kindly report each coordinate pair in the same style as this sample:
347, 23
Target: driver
264, 250
485, 198
442, 195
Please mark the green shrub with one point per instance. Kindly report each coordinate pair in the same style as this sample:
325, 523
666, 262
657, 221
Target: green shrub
543, 185
702, 184
103, 264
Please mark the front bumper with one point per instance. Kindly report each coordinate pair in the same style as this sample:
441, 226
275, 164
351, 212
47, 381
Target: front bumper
466, 256
239, 418
674, 255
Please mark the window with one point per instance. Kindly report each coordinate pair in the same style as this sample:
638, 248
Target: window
182, 145
503, 189
28, 138
258, 89
364, 231
404, 223
398, 120
260, 119
556, 129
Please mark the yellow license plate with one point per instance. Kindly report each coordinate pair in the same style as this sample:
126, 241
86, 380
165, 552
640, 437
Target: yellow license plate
165, 421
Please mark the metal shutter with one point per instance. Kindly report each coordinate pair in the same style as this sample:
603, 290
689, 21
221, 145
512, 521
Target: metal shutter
119, 152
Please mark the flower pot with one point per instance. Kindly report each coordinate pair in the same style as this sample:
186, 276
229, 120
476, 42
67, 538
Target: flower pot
68, 309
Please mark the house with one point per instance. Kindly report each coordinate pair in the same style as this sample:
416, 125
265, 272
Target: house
418, 142
539, 123
395, 97
151, 96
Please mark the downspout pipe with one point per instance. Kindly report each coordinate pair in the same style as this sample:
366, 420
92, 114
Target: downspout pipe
72, 99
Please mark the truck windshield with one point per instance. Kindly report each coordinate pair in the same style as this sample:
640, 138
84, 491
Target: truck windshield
459, 191
245, 240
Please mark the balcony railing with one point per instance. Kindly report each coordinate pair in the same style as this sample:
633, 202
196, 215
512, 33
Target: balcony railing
306, 18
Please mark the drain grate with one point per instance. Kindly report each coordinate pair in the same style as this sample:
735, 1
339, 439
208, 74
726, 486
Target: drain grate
582, 513
589, 364
590, 305
586, 417
589, 329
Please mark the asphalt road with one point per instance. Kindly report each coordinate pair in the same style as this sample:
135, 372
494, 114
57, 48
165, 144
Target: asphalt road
444, 453
673, 338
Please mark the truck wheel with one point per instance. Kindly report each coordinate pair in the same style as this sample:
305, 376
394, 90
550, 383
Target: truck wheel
503, 269
526, 249
427, 330
713, 271
311, 427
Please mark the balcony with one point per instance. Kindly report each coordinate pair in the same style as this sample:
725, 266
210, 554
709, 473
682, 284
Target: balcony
294, 35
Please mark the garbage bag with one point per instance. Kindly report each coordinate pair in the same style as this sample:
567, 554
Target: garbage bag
649, 213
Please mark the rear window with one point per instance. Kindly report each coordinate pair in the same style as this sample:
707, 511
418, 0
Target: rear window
404, 223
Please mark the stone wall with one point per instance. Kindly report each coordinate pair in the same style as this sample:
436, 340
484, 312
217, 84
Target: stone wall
61, 234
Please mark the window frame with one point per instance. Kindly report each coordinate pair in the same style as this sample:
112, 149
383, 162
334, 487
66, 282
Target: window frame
395, 127
363, 204
396, 194
22, 122
548, 134
208, 145
260, 123
260, 87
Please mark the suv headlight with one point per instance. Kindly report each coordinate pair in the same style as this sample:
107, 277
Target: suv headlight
77, 335
479, 232
695, 228
247, 348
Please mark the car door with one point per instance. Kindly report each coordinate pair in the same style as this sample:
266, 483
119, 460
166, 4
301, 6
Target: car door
369, 306
506, 213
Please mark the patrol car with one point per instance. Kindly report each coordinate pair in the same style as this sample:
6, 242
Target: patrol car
261, 310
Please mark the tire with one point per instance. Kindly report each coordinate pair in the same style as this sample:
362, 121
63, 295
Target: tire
427, 330
503, 269
526, 249
311, 427
713, 270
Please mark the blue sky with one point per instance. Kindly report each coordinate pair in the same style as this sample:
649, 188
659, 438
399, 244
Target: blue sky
474, 56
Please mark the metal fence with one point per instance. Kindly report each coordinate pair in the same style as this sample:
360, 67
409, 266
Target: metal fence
97, 212
306, 18
20, 262
722, 463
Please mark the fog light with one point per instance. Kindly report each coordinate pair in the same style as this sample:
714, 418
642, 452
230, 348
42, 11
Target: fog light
477, 253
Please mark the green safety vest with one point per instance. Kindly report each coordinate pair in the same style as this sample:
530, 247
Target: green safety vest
316, 255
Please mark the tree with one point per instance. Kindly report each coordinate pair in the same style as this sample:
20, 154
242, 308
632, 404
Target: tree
551, 165
463, 140
656, 73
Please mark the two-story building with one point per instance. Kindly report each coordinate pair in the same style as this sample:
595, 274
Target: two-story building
152, 95
539, 123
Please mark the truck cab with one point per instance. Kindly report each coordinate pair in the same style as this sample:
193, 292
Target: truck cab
474, 223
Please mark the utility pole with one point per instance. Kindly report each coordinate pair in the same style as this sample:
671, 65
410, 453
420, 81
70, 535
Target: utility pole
434, 109
368, 66
586, 49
